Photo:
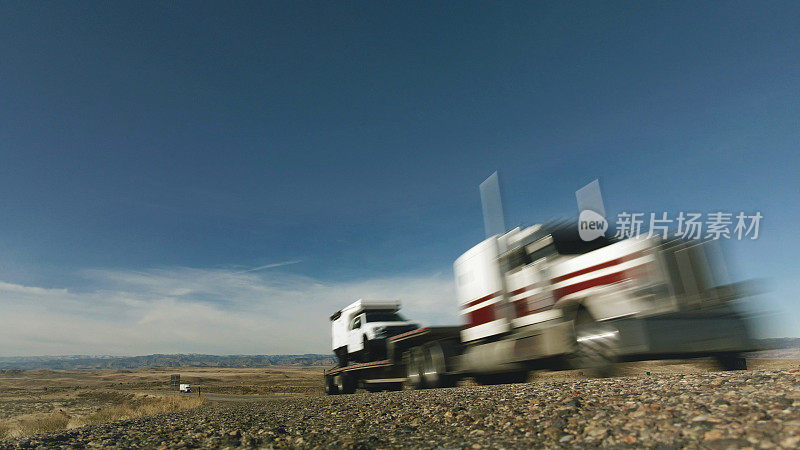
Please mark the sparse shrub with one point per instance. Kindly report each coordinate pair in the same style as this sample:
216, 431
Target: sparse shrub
5, 430
121, 406
55, 421
141, 406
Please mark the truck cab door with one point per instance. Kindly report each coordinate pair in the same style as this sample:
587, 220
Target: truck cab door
355, 342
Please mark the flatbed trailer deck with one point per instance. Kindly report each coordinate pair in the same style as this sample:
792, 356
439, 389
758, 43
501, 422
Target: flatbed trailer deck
403, 364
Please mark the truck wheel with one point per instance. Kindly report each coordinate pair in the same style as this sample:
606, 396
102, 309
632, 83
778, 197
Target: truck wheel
597, 346
415, 368
330, 386
731, 361
435, 373
345, 384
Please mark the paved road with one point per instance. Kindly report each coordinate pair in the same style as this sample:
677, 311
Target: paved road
225, 398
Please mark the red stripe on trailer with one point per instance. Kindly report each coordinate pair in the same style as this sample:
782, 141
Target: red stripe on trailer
604, 265
481, 315
408, 333
611, 278
638, 271
524, 289
521, 306
357, 366
482, 299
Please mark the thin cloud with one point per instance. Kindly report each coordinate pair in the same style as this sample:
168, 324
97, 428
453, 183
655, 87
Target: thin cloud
188, 310
269, 266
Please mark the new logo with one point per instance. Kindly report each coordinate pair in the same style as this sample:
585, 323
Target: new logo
591, 225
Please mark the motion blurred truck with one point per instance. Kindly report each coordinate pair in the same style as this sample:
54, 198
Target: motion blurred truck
542, 298
360, 330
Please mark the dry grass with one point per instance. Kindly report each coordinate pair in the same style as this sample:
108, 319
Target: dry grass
141, 406
57, 385
124, 406
48, 423
28, 398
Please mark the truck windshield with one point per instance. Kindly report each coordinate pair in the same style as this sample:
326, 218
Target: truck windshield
383, 316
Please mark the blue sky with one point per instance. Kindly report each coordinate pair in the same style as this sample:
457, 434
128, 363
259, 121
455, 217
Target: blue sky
207, 138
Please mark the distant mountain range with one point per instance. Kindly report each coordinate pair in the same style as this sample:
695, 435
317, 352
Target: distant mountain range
779, 348
159, 360
779, 343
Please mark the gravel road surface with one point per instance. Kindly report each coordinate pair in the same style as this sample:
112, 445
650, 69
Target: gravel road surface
758, 409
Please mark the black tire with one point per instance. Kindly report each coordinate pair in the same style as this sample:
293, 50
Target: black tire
731, 361
345, 384
330, 386
596, 346
515, 377
415, 368
435, 369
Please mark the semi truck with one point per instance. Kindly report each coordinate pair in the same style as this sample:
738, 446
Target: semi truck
540, 297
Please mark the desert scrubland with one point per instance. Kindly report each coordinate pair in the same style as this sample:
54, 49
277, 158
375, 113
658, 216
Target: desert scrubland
652, 404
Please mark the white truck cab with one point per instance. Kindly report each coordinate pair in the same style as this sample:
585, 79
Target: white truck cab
360, 330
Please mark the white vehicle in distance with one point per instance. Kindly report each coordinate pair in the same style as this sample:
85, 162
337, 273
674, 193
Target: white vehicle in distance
361, 329
185, 388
